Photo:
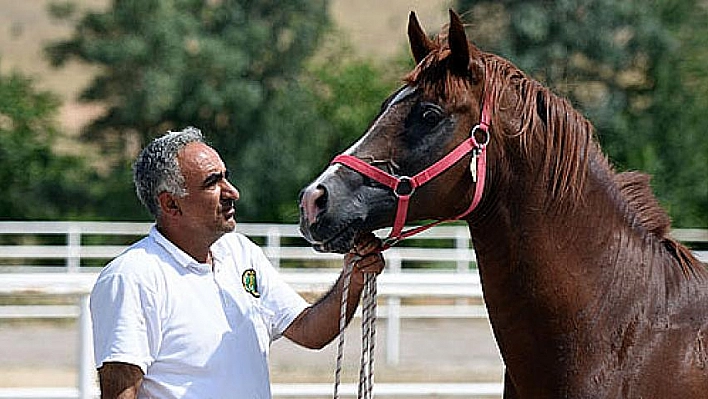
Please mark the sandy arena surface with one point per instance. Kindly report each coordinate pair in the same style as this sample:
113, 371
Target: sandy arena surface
452, 350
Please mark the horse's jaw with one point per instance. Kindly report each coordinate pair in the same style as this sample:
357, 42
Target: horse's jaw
331, 235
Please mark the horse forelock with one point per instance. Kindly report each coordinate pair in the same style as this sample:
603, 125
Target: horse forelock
433, 76
435, 81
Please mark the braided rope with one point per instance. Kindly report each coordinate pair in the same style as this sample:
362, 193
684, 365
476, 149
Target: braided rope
368, 338
342, 325
368, 329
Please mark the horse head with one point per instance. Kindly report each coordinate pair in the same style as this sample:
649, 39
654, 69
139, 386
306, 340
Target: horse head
428, 117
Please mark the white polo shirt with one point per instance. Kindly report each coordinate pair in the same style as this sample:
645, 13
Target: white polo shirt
195, 333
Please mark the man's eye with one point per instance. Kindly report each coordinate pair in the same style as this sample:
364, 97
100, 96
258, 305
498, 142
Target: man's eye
213, 179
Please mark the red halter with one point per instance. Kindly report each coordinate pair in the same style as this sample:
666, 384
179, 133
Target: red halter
404, 187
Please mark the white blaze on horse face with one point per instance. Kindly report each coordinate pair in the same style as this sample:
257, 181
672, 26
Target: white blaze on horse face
403, 94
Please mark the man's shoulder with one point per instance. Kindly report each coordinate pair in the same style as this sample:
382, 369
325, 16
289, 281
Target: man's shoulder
237, 241
136, 258
239, 247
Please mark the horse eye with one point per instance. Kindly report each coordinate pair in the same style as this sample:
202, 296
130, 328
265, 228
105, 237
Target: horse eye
431, 116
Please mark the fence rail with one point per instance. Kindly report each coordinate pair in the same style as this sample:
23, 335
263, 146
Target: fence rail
65, 261
74, 250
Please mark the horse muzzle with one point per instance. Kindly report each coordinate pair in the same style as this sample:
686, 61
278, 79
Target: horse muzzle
334, 209
324, 231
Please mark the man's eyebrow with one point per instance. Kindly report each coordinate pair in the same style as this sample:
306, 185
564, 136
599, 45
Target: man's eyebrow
215, 177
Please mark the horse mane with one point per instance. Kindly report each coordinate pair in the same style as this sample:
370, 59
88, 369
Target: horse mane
549, 124
649, 214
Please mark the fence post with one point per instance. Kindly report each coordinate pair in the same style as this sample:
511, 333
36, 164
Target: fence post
73, 242
462, 245
87, 373
393, 331
273, 244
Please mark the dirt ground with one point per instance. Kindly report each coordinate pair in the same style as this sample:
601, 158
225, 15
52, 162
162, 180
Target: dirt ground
434, 350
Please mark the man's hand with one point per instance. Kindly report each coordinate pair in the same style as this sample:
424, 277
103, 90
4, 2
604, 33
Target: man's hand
318, 325
366, 256
120, 380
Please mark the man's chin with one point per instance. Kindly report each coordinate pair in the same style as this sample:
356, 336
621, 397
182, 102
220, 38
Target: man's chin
230, 225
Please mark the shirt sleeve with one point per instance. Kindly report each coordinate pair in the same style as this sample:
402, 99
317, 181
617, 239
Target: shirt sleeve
120, 329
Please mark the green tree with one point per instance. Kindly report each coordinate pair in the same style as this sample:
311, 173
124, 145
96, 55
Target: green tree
217, 65
37, 183
635, 69
321, 113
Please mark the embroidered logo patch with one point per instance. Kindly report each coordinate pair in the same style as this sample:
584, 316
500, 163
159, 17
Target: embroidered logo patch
250, 282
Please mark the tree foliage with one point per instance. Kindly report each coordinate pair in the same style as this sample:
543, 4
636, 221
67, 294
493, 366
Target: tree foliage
165, 65
636, 69
318, 115
242, 71
37, 183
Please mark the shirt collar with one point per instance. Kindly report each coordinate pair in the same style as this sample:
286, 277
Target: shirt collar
181, 258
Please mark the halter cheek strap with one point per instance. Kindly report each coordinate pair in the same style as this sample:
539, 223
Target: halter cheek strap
404, 187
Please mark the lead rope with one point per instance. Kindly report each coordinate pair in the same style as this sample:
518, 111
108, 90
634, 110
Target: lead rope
368, 338
368, 329
342, 325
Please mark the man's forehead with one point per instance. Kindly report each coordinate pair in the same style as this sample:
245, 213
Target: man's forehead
199, 157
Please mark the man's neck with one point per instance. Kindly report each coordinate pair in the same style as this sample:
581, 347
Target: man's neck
195, 245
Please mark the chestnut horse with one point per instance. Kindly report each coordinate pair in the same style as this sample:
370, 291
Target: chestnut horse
587, 295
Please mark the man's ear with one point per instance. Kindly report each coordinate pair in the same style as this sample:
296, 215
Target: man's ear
168, 204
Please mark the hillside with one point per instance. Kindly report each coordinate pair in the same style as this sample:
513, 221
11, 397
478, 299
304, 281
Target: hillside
377, 29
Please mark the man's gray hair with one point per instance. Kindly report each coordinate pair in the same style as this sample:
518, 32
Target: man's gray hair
156, 170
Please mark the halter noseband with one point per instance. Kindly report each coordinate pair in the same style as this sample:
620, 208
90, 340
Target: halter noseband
404, 186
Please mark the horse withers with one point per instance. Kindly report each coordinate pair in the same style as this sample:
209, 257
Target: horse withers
588, 296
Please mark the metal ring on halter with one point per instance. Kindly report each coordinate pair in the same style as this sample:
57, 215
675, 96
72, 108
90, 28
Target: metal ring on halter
478, 128
408, 187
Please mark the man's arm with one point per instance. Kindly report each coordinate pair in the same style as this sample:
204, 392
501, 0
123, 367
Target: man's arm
119, 380
318, 325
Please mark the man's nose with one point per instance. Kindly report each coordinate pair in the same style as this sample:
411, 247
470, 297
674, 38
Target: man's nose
231, 191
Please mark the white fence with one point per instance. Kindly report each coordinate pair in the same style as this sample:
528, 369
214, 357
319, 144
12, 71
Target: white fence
73, 251
41, 249
57, 258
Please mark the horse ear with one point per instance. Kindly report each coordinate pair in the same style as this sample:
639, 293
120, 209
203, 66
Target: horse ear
462, 61
421, 45
459, 47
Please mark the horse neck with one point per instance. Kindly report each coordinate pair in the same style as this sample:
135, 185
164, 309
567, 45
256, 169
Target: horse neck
554, 267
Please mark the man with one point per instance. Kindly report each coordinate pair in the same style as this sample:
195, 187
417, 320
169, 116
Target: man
190, 310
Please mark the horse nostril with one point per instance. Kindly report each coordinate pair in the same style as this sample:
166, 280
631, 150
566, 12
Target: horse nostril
313, 202
321, 201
